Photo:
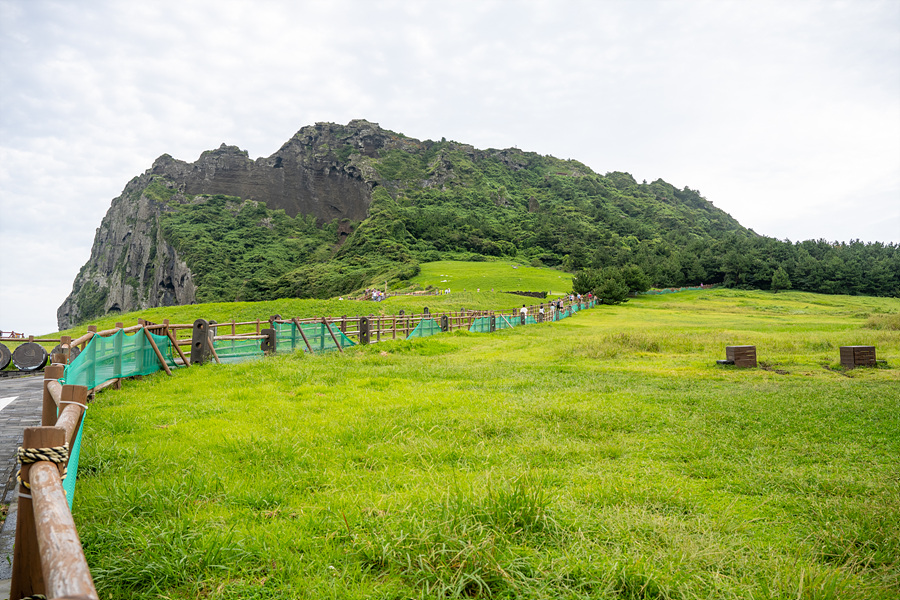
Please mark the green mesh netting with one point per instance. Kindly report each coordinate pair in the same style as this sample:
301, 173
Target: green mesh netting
507, 322
117, 356
106, 358
68, 483
288, 338
560, 314
425, 328
481, 325
232, 351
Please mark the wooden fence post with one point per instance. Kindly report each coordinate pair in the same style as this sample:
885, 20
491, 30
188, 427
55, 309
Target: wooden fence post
302, 334
92, 359
159, 356
65, 344
140, 348
117, 349
49, 410
70, 420
333, 337
27, 575
174, 340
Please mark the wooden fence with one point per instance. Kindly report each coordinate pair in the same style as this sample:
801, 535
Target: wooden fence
48, 558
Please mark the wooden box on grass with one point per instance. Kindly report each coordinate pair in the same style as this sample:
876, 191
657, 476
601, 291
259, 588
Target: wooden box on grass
857, 356
742, 356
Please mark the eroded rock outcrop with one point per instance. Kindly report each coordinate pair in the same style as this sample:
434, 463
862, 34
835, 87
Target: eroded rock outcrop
131, 265
323, 170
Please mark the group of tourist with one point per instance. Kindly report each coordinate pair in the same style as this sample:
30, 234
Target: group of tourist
558, 304
375, 295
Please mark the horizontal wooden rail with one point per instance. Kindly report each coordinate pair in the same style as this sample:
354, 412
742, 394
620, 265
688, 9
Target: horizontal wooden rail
47, 556
65, 569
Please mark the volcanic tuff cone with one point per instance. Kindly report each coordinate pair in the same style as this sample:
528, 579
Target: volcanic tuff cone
360, 204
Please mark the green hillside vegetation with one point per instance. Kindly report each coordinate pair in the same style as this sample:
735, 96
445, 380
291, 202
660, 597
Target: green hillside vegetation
498, 276
604, 456
445, 201
463, 279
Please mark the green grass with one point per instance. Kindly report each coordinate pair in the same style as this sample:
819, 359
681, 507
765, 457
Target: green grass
603, 456
467, 278
501, 276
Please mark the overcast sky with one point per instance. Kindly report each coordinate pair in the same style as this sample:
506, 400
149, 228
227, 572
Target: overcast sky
785, 114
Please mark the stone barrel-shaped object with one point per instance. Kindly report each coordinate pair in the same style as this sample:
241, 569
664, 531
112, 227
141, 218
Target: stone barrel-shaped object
29, 357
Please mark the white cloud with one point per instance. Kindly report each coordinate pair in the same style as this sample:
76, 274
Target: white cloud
782, 113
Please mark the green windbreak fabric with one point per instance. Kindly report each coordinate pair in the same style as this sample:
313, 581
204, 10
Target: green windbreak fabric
232, 351
116, 356
481, 325
106, 358
425, 328
507, 321
72, 468
288, 338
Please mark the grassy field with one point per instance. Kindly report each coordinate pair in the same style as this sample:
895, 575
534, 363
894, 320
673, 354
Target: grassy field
603, 456
463, 278
502, 276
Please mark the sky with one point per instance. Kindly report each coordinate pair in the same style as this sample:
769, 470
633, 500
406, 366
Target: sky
784, 114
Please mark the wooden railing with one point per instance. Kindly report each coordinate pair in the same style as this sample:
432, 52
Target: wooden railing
48, 558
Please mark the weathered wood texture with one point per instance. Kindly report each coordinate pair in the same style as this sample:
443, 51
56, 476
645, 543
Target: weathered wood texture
72, 401
47, 557
742, 356
49, 407
857, 356
65, 570
27, 575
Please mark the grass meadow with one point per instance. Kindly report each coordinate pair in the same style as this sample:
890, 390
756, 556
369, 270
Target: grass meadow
603, 456
499, 276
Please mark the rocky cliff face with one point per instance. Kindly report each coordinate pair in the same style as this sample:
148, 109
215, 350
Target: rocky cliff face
131, 265
322, 171
306, 176
388, 200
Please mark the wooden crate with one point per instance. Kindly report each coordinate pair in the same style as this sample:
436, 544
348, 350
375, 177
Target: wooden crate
742, 356
857, 356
